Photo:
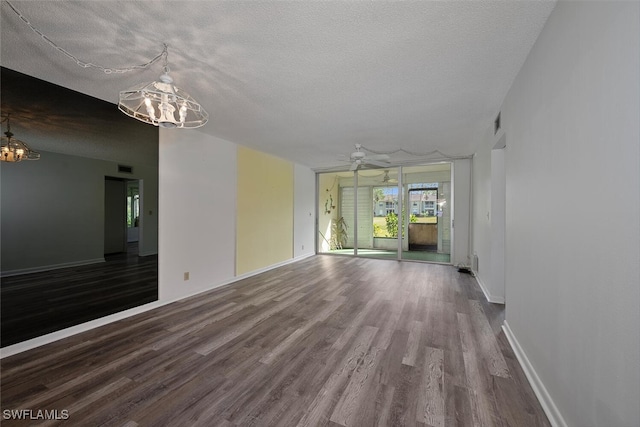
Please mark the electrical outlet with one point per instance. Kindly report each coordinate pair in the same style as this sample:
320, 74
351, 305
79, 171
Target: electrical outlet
303, 247
186, 276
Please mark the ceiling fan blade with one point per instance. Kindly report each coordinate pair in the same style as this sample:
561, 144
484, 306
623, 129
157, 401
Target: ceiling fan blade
377, 163
379, 157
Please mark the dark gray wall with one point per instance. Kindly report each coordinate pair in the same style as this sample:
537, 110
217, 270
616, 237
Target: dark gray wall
52, 209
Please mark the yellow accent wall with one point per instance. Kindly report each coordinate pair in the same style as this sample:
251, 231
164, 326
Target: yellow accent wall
264, 233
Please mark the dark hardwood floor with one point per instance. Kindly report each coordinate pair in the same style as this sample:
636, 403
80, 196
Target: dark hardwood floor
327, 341
40, 303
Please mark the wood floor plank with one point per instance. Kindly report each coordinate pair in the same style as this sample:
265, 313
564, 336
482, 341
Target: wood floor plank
353, 328
104, 371
327, 341
281, 379
487, 340
89, 399
245, 326
431, 397
291, 339
404, 404
481, 400
36, 304
413, 343
318, 411
389, 369
356, 393
389, 327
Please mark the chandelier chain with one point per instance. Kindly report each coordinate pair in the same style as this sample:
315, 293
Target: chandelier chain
83, 64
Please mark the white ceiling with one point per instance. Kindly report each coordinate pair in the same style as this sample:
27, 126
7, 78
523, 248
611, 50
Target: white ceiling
301, 80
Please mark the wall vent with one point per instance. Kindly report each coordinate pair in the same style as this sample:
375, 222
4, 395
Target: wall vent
125, 169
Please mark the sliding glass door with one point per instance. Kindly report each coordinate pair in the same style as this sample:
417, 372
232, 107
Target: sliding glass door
334, 224
394, 213
378, 213
427, 212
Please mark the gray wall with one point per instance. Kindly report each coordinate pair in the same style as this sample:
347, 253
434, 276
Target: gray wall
52, 211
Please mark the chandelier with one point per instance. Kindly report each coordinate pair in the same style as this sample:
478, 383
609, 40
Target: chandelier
14, 150
161, 103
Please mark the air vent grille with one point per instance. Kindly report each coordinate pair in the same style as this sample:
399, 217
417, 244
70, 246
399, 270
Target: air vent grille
125, 169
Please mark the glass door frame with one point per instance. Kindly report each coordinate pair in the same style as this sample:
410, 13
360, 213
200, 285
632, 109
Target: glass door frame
403, 207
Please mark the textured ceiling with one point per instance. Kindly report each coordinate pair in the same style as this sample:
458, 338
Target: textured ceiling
301, 80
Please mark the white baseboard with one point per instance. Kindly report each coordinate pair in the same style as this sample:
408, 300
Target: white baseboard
235, 279
73, 330
271, 267
83, 327
485, 291
148, 253
303, 256
51, 267
549, 407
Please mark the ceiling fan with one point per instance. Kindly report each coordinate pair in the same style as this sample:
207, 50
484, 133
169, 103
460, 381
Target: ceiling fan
359, 158
388, 180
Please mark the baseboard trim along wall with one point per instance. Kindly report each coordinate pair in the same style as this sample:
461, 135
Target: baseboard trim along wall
51, 267
64, 333
487, 295
549, 407
20, 347
148, 253
271, 267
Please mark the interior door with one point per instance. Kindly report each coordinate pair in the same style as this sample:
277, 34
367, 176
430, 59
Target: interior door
115, 215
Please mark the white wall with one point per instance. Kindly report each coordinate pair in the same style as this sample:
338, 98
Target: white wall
481, 210
461, 211
572, 271
304, 205
488, 216
498, 224
197, 206
328, 190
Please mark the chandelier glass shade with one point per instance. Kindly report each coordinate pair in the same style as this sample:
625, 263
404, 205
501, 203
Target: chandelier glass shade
161, 103
13, 150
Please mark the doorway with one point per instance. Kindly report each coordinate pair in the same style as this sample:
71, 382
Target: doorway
423, 221
122, 222
133, 212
